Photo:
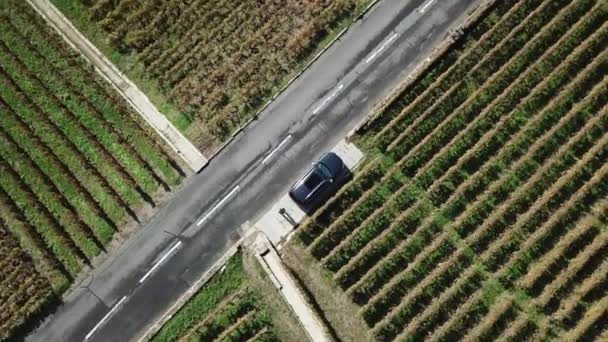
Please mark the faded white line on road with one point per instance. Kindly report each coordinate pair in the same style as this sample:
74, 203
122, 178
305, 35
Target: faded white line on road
283, 142
157, 264
327, 99
105, 318
217, 206
381, 48
426, 6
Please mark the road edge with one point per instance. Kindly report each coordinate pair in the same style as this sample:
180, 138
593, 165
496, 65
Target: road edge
307, 66
183, 299
419, 69
123, 85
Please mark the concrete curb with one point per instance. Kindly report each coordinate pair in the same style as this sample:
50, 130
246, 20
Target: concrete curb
125, 87
156, 326
422, 67
273, 265
293, 79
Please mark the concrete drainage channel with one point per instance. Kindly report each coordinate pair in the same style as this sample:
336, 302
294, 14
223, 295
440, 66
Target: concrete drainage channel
279, 275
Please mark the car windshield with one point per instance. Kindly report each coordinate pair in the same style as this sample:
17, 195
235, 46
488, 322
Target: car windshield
325, 170
313, 180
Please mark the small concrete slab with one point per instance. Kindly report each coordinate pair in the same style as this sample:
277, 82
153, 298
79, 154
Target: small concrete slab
281, 219
349, 153
285, 214
281, 278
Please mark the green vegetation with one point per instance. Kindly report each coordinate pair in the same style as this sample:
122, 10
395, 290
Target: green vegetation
237, 304
487, 215
24, 291
77, 163
218, 61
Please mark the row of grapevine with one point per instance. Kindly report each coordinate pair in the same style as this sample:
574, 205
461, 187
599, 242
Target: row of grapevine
479, 70
217, 61
579, 208
493, 321
485, 84
239, 313
473, 50
521, 329
77, 165
495, 230
205, 15
352, 192
22, 289
45, 81
584, 231
49, 196
592, 323
577, 273
365, 207
487, 218
502, 112
355, 248
512, 135
39, 217
230, 307
132, 128
487, 305
33, 243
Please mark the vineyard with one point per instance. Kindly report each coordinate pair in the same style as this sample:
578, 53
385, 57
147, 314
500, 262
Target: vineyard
483, 212
217, 60
77, 164
239, 304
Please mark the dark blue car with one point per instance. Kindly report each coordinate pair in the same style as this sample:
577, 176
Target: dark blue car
320, 182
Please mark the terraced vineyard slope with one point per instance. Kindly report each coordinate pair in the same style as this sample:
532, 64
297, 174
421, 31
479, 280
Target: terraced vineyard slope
485, 212
238, 304
217, 60
76, 164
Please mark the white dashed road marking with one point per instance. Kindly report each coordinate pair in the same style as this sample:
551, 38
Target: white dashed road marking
105, 318
328, 98
381, 48
159, 262
271, 154
217, 206
426, 6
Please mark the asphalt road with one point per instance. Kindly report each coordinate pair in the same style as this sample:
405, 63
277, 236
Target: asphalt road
318, 110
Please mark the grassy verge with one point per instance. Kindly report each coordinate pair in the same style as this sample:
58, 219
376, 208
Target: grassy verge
239, 301
332, 304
